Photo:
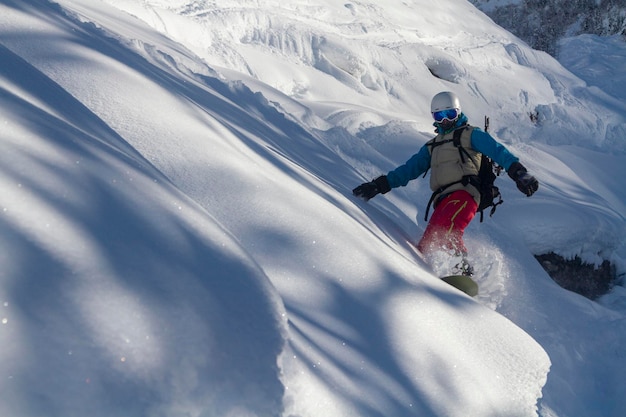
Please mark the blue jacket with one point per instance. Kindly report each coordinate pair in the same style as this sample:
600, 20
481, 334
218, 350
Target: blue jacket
419, 163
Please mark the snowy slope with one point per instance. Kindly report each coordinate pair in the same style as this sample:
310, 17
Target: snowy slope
114, 292
600, 61
180, 237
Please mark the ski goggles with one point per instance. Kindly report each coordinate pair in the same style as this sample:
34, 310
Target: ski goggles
449, 114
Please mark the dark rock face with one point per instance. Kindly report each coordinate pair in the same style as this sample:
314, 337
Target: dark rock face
542, 23
589, 280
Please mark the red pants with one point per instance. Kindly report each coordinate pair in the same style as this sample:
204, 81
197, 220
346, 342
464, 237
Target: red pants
448, 222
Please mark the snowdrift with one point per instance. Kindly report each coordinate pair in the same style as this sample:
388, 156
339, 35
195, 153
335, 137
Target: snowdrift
120, 295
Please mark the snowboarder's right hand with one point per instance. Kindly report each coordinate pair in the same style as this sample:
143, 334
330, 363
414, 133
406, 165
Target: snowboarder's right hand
370, 189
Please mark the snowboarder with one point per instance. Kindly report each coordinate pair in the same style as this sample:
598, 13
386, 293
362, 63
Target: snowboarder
453, 171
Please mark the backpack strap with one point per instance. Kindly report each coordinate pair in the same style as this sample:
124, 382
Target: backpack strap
457, 142
432, 145
437, 193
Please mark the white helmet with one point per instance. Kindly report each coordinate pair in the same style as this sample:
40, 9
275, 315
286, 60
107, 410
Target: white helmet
444, 101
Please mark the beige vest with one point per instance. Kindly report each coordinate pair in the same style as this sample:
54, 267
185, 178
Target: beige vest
446, 164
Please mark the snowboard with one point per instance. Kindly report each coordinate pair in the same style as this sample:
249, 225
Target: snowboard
463, 283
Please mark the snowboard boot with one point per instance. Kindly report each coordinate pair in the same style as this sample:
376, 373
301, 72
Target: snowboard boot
463, 268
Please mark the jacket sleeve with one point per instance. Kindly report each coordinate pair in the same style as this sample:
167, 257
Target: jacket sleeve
484, 143
413, 168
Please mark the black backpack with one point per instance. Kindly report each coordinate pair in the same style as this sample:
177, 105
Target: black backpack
484, 181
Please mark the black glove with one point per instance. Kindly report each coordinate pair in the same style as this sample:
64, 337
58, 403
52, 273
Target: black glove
370, 189
525, 182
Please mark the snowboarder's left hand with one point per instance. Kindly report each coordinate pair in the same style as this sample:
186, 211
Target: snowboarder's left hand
525, 182
371, 189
